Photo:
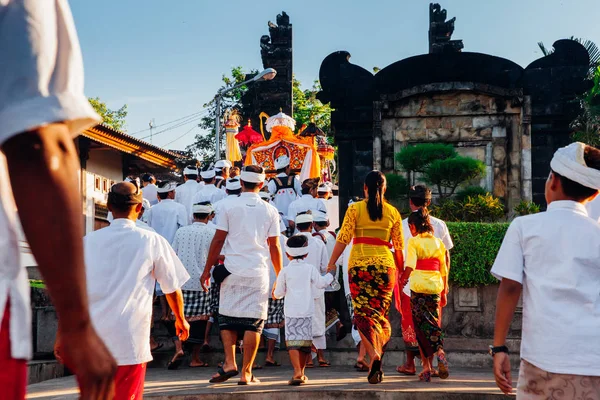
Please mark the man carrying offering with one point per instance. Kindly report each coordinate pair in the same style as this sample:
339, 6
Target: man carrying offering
248, 234
554, 258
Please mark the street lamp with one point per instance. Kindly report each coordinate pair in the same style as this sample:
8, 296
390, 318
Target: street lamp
266, 75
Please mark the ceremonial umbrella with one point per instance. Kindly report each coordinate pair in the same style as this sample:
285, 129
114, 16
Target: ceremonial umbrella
249, 136
280, 119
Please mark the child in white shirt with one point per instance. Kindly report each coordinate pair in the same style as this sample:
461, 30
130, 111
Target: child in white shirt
296, 283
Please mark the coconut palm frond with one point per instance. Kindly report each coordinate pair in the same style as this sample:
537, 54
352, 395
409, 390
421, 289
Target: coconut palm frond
544, 49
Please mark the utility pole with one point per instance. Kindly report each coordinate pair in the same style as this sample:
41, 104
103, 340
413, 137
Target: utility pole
218, 127
151, 124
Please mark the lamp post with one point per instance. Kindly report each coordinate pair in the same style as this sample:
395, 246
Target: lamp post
266, 75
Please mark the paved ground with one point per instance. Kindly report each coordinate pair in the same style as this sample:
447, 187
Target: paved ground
337, 382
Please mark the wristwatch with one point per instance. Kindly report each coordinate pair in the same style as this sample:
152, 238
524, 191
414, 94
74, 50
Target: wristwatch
498, 349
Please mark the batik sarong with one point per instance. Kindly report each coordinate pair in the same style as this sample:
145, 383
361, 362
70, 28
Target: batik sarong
275, 317
298, 333
537, 384
371, 288
425, 313
196, 305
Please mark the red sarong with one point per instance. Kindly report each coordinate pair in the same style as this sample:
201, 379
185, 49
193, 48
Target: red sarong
13, 373
371, 241
129, 382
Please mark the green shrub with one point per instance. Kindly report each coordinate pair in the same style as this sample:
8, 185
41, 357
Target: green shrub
397, 187
452, 172
475, 248
470, 191
526, 208
416, 158
479, 208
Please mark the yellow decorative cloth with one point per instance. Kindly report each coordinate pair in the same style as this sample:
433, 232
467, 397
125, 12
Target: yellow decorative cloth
421, 247
357, 223
233, 146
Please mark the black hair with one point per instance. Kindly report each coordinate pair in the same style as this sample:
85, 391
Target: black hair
219, 173
203, 215
420, 220
420, 195
322, 224
305, 225
163, 196
297, 241
235, 192
205, 180
252, 168
375, 182
147, 177
282, 170
192, 177
577, 191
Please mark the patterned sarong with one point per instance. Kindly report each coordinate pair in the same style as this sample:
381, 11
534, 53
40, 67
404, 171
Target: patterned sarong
425, 314
298, 333
537, 384
275, 317
371, 288
196, 305
215, 292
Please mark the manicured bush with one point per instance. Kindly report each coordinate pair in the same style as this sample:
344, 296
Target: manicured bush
470, 191
475, 248
480, 208
397, 187
446, 175
416, 158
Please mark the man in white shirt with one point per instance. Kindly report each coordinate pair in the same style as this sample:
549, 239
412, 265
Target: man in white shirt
209, 192
233, 188
122, 264
248, 234
150, 189
191, 245
593, 209
419, 196
222, 169
554, 258
167, 216
284, 188
308, 201
184, 194
317, 256
42, 107
325, 193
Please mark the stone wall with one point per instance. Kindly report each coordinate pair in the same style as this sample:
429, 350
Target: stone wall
488, 124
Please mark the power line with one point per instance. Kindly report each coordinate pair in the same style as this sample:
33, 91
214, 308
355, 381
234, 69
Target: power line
168, 123
180, 124
185, 134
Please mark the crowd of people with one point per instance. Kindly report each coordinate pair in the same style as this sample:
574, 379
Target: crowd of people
224, 251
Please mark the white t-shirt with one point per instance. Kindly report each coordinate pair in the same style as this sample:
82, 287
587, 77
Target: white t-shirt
593, 208
317, 256
191, 245
41, 82
217, 207
122, 264
556, 256
209, 193
149, 192
166, 217
282, 198
293, 282
249, 221
184, 194
333, 211
303, 204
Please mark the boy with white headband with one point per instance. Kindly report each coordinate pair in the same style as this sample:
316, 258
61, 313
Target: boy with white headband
222, 168
191, 245
209, 192
184, 194
167, 216
317, 256
554, 258
248, 234
293, 283
233, 188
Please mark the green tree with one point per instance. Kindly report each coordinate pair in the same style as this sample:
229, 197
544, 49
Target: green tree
113, 118
450, 173
307, 106
416, 159
587, 124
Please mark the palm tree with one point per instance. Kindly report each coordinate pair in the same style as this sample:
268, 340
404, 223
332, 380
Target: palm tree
590, 46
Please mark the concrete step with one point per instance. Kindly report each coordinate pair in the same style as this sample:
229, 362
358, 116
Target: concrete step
43, 370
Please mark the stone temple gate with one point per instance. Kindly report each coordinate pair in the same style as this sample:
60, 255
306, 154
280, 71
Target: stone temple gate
511, 118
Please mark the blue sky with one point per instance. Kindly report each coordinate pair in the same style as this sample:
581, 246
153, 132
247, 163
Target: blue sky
164, 59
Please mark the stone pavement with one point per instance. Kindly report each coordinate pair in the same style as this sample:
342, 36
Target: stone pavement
324, 383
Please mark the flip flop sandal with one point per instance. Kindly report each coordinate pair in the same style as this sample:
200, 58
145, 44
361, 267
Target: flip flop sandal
361, 367
443, 366
425, 376
405, 371
203, 365
295, 382
376, 374
253, 381
223, 376
175, 364
257, 367
158, 346
309, 366
324, 364
272, 364
435, 373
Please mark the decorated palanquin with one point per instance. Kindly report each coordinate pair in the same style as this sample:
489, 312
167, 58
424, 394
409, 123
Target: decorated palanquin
302, 151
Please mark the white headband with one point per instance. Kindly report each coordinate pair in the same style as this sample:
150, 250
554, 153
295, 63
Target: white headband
146, 204
304, 218
202, 209
296, 251
320, 217
570, 163
264, 195
252, 177
233, 184
166, 189
324, 189
208, 174
222, 164
190, 171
